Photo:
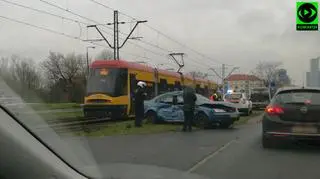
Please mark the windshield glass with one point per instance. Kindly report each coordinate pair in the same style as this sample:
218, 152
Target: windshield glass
108, 81
298, 97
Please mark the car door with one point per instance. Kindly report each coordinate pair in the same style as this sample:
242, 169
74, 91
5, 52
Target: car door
165, 107
177, 111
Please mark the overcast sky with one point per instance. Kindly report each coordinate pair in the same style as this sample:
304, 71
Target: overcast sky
239, 33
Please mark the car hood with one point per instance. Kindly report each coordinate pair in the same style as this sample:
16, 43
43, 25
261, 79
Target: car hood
137, 171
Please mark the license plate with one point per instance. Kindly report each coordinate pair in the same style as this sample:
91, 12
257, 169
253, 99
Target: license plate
304, 129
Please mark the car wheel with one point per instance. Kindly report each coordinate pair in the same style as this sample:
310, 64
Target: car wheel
267, 142
151, 117
201, 120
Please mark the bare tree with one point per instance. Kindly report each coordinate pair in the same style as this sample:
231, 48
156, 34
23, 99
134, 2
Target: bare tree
25, 71
22, 75
105, 55
266, 70
4, 67
67, 68
65, 72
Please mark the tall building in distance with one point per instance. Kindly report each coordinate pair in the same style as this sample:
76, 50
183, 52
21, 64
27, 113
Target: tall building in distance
313, 77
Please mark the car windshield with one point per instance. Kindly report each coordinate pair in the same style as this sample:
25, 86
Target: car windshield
100, 84
311, 97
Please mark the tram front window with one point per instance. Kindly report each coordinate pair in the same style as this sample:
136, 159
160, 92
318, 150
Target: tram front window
109, 81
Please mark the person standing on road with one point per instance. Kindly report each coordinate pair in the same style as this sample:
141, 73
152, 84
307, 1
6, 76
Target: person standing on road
139, 106
189, 98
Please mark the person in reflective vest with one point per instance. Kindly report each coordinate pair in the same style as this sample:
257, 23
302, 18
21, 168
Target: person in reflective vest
214, 97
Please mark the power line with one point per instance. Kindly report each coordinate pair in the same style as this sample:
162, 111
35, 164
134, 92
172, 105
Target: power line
83, 17
72, 20
71, 12
43, 12
181, 44
42, 28
66, 35
63, 34
161, 33
103, 5
145, 42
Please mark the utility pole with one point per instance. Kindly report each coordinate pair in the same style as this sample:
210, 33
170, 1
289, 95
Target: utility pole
223, 75
223, 71
115, 35
116, 46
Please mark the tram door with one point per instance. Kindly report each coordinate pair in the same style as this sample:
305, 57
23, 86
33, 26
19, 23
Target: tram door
133, 87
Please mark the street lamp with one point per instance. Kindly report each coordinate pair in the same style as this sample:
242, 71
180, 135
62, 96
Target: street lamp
87, 49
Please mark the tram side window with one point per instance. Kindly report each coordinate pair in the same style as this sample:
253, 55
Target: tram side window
177, 86
163, 86
170, 87
122, 86
150, 90
133, 83
206, 91
198, 89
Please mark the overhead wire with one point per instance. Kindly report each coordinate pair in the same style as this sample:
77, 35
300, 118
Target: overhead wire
63, 34
89, 19
72, 20
69, 11
161, 33
76, 14
42, 28
44, 12
181, 44
145, 42
75, 21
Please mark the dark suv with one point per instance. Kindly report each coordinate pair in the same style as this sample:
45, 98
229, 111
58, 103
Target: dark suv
294, 113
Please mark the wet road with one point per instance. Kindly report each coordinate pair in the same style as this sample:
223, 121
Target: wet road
219, 154
245, 158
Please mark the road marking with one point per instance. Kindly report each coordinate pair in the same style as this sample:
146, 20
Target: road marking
203, 161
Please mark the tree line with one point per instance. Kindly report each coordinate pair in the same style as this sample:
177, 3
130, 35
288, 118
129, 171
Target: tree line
58, 78
62, 77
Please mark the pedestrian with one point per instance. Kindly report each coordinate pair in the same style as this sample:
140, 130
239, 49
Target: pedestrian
189, 98
139, 106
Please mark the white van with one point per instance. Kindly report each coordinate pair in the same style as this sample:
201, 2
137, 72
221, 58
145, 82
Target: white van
241, 101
